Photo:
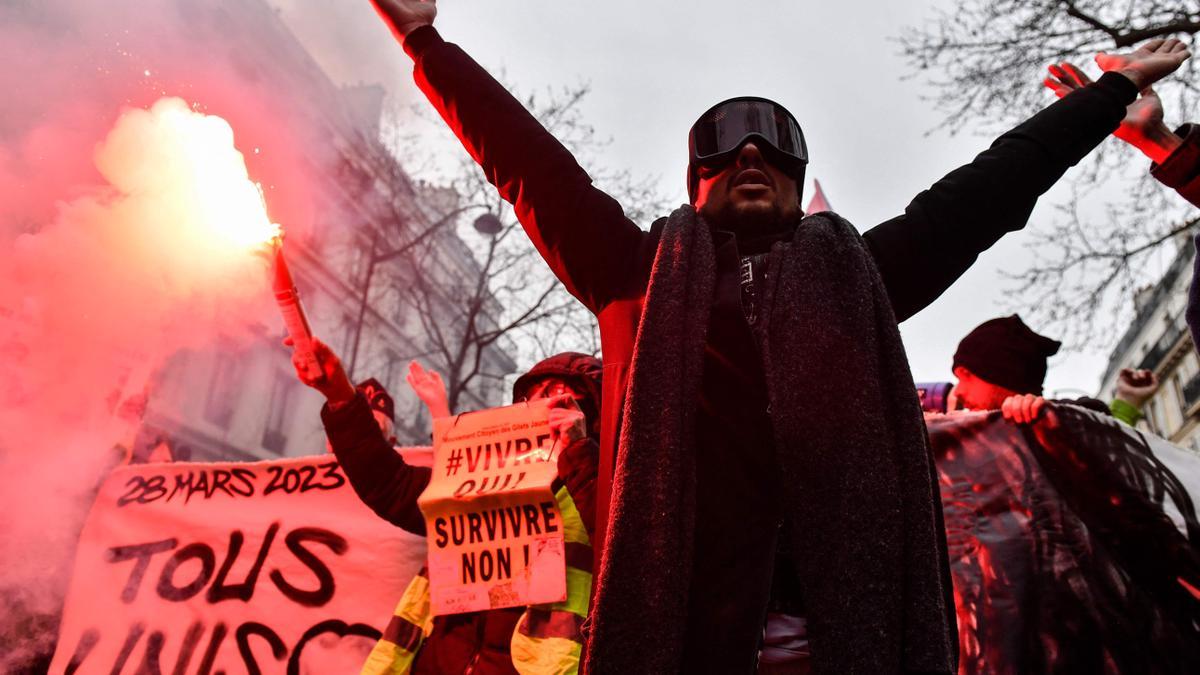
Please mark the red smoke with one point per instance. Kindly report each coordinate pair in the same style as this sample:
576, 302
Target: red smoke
105, 229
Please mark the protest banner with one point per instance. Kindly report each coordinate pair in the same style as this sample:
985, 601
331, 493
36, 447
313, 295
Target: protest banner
494, 529
1071, 542
266, 567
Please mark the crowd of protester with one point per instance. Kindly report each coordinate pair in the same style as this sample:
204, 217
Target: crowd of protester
731, 519
738, 522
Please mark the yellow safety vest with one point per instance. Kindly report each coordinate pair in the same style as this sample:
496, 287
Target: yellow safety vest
548, 639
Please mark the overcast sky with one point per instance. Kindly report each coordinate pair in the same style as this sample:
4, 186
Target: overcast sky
654, 67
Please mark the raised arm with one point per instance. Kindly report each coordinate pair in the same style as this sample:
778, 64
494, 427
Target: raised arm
382, 480
945, 228
578, 459
1175, 158
1175, 155
581, 232
428, 386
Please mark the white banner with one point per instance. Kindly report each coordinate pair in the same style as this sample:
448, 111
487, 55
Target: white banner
494, 529
272, 567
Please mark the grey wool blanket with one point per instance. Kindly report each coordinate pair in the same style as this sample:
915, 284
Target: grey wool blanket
858, 475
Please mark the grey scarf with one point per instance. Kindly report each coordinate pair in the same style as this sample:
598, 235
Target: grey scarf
857, 472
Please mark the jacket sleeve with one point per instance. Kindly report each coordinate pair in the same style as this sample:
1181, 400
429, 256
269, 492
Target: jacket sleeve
945, 228
1125, 411
381, 478
580, 231
578, 467
1181, 169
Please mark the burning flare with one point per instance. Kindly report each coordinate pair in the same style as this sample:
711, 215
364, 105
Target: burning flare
167, 255
163, 256
199, 158
192, 156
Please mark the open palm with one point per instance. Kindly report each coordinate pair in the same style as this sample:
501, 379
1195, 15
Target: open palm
429, 387
1148, 63
1142, 117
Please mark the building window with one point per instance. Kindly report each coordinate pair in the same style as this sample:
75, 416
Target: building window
278, 413
1152, 418
391, 372
222, 392
349, 326
357, 262
1177, 386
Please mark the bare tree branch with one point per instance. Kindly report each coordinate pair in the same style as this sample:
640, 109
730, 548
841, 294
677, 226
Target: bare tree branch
480, 300
983, 62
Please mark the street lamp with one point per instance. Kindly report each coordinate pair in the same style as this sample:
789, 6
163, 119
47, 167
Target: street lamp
488, 224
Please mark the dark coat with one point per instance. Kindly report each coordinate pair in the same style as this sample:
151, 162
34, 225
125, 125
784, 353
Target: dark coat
861, 466
1181, 169
605, 260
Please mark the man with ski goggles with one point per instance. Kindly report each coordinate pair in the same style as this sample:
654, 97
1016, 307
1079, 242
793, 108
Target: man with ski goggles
726, 487
722, 130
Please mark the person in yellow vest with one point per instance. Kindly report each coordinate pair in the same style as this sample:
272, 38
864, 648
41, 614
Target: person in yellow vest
538, 639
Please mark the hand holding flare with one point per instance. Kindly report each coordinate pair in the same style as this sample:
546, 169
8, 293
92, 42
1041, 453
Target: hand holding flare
288, 299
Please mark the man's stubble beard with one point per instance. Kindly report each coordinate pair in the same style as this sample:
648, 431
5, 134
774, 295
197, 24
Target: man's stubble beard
750, 219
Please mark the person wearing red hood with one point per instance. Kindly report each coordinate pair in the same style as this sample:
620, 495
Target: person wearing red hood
499, 640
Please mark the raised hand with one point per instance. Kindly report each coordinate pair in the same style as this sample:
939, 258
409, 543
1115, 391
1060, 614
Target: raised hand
567, 422
333, 382
1143, 126
428, 386
1135, 387
1147, 64
405, 16
1022, 408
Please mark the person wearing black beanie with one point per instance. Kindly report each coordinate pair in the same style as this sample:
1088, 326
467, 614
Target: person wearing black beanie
1000, 358
1001, 365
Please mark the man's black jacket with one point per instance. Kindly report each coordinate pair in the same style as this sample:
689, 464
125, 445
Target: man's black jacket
604, 260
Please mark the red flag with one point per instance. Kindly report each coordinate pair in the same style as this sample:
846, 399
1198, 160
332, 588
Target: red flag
818, 202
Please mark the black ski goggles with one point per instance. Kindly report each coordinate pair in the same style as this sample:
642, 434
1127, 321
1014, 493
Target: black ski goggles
720, 132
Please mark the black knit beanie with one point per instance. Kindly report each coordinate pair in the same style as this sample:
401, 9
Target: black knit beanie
1007, 353
378, 397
